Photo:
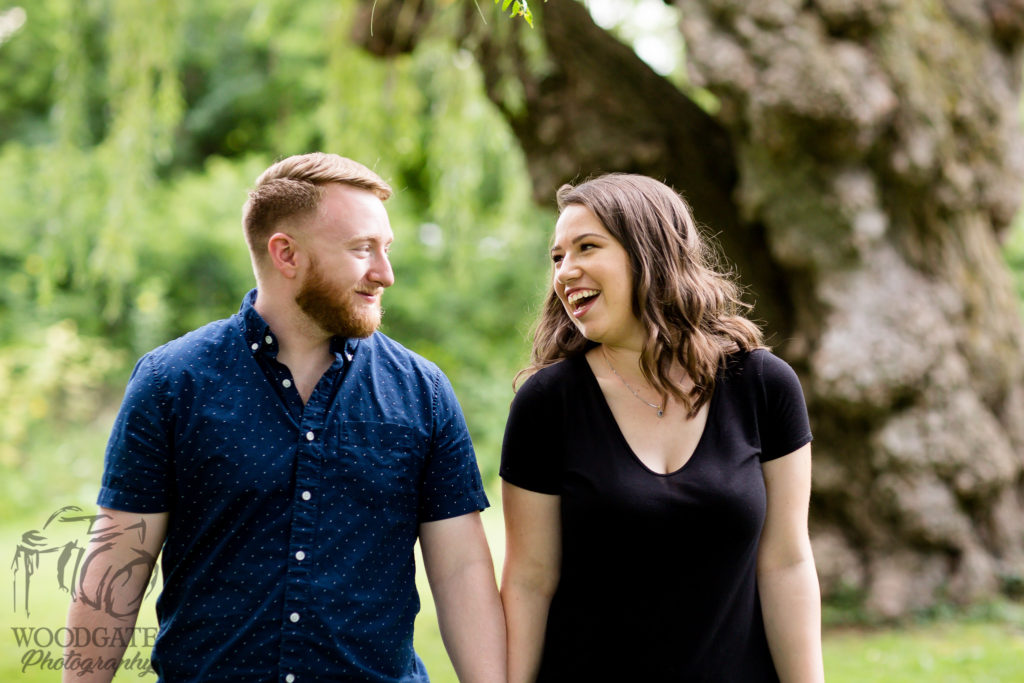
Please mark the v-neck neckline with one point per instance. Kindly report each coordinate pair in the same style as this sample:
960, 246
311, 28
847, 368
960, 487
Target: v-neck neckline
606, 409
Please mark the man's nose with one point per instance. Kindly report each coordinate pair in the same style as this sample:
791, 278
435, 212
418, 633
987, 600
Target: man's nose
381, 272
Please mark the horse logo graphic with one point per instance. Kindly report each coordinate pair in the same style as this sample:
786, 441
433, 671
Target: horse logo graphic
56, 550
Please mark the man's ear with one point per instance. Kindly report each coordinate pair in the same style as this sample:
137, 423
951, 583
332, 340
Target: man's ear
284, 254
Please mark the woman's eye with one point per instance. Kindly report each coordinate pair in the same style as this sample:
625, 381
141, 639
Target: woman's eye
557, 258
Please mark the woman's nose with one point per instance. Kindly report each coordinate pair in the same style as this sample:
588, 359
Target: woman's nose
567, 270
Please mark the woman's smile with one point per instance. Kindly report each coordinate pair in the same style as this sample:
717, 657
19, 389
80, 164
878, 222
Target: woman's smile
581, 300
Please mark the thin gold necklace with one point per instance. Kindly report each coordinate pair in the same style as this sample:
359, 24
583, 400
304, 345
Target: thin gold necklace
659, 408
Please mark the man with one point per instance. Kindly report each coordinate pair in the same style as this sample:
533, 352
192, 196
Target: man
286, 459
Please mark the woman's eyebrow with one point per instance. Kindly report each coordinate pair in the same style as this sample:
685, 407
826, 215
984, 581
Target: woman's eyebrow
580, 238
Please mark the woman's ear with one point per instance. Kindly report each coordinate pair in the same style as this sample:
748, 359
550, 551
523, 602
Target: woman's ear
284, 254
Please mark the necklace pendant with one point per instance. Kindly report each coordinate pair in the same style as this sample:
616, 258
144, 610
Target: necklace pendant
660, 409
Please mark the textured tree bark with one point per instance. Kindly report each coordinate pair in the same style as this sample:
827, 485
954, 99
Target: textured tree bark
864, 161
879, 145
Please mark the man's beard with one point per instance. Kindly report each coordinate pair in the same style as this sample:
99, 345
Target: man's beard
334, 309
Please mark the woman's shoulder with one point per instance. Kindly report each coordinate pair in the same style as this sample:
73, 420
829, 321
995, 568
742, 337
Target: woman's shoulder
755, 364
762, 370
553, 377
540, 404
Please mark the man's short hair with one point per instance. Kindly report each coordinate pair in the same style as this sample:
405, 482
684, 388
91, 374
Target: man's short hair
293, 188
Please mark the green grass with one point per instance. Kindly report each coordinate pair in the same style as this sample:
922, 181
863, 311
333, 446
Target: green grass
943, 652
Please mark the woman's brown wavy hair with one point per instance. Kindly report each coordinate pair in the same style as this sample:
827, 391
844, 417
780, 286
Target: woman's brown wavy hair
689, 305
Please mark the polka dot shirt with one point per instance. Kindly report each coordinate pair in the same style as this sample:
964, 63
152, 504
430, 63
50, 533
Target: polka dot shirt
289, 550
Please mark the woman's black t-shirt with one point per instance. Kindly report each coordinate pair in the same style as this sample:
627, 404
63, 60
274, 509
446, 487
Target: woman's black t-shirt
658, 577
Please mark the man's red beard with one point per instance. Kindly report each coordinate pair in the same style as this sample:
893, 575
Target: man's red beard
334, 309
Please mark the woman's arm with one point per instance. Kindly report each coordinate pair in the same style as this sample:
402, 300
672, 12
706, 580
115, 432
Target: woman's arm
530, 576
787, 579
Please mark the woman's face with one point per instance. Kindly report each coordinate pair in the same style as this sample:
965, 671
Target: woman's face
593, 279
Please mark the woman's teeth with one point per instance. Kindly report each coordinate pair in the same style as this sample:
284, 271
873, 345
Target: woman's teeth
577, 296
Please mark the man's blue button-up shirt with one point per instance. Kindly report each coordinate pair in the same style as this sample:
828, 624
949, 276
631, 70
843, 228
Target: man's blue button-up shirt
289, 550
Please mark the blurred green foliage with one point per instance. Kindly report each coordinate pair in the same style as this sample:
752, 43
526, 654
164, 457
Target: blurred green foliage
1014, 251
129, 134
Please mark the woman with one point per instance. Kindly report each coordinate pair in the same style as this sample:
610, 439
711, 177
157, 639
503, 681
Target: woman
656, 465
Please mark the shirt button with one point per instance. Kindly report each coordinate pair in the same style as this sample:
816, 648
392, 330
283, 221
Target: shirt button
294, 617
300, 556
255, 347
290, 678
287, 383
268, 339
310, 436
306, 495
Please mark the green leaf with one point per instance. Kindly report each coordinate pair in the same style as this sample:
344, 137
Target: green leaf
517, 8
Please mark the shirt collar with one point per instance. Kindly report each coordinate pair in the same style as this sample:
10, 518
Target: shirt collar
344, 348
261, 339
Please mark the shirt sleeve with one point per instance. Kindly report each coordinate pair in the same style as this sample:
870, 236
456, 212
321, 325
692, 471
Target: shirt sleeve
138, 452
529, 451
451, 484
782, 419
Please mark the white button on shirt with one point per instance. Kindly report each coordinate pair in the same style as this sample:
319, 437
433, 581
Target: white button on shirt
287, 383
294, 617
300, 556
268, 339
306, 495
290, 678
310, 436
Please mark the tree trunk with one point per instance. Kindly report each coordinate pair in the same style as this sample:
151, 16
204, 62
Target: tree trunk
865, 158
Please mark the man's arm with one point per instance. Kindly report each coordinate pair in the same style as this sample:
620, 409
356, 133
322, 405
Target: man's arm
114, 575
787, 580
461, 574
